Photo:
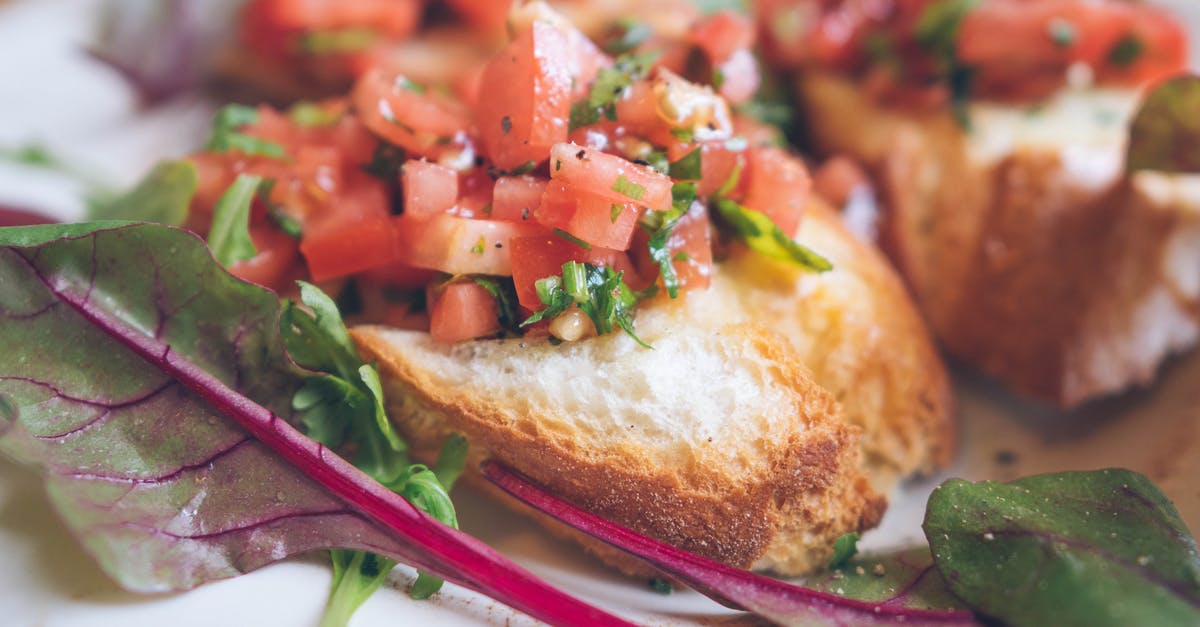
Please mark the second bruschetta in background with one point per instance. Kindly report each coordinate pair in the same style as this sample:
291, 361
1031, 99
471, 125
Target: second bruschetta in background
995, 132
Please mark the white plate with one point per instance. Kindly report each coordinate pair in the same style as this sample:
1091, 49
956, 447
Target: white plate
51, 93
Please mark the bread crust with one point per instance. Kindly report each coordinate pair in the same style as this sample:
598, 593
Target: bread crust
1064, 289
810, 481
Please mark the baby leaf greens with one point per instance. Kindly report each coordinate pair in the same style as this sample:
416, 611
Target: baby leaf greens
343, 404
162, 196
156, 396
1165, 133
1076, 548
229, 237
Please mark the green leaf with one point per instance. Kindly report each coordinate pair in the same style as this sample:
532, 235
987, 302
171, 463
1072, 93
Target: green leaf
451, 461
937, 27
356, 576
844, 548
229, 236
599, 292
340, 41
1126, 51
1165, 132
163, 196
1075, 548
628, 188
904, 578
765, 237
688, 167
227, 135
312, 115
505, 293
632, 34
571, 238
315, 335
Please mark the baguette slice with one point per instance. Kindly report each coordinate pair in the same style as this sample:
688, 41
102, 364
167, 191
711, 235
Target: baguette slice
626, 431
717, 442
1032, 255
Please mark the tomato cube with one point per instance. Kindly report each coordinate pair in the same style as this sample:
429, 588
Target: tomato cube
609, 176
516, 198
776, 184
525, 98
459, 245
462, 311
428, 187
592, 218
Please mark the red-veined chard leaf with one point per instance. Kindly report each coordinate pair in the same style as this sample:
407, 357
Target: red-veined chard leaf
152, 389
1077, 548
1165, 132
773, 599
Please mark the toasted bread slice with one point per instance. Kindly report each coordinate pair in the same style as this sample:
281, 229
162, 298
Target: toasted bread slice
859, 334
729, 437
1034, 257
718, 442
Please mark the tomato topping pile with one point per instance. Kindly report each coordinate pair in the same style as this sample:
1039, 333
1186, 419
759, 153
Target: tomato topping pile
574, 179
927, 51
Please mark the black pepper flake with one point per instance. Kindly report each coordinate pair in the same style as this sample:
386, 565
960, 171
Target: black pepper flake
581, 154
525, 213
641, 162
499, 245
506, 124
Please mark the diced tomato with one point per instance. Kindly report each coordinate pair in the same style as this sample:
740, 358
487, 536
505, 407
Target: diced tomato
487, 18
776, 184
363, 199
337, 252
1161, 40
609, 176
583, 59
516, 198
722, 33
399, 275
428, 187
275, 259
535, 258
462, 311
459, 245
717, 164
395, 18
594, 219
525, 98
423, 122
689, 247
474, 194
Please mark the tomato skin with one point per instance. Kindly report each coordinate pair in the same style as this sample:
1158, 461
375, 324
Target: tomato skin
776, 184
609, 176
526, 98
428, 187
517, 198
462, 311
594, 219
538, 257
458, 245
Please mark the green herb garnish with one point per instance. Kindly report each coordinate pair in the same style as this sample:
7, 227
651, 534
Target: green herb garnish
599, 292
227, 135
1126, 51
688, 167
628, 188
571, 238
765, 237
229, 236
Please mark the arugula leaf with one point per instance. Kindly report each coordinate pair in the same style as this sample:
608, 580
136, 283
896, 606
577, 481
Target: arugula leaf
229, 236
1165, 133
227, 135
763, 236
163, 196
345, 403
1076, 548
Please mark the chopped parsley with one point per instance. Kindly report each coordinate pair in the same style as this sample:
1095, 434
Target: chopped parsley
683, 134
688, 166
479, 246
1126, 51
1062, 32
407, 84
659, 225
628, 188
598, 291
937, 32
386, 162
227, 135
615, 213
631, 35
337, 41
571, 238
610, 83
501, 289
312, 115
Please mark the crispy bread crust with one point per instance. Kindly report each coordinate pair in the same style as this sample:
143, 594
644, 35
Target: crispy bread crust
1063, 289
812, 492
